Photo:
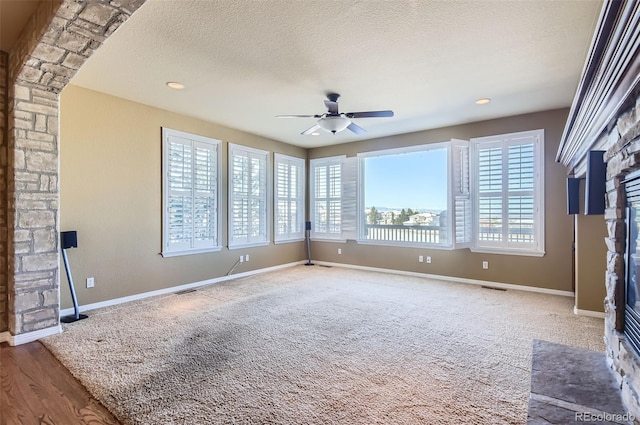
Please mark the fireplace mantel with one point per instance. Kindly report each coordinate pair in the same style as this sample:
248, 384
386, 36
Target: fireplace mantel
609, 84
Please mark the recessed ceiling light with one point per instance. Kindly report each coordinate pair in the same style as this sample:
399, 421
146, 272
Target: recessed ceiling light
315, 134
483, 101
175, 85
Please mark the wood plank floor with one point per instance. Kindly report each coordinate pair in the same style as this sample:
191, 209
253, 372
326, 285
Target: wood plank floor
38, 389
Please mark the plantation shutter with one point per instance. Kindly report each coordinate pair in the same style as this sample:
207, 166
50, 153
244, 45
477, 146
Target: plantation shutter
204, 195
509, 191
180, 211
461, 194
520, 204
248, 197
289, 198
326, 198
490, 195
349, 198
190, 193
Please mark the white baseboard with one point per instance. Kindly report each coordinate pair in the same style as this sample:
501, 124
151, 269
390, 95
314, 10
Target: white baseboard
588, 313
453, 279
26, 337
194, 285
173, 289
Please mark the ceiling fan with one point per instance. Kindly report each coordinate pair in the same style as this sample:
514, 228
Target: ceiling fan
334, 121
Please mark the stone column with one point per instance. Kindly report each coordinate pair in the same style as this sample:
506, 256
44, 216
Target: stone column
56, 42
4, 100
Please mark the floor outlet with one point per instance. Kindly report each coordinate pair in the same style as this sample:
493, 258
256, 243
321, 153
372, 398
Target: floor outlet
428, 260
90, 282
420, 258
485, 265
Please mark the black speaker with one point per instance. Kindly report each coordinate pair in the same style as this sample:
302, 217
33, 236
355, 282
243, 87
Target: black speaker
69, 239
307, 225
573, 195
596, 181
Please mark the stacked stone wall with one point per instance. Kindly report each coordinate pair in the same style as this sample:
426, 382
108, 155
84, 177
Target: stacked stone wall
622, 157
55, 43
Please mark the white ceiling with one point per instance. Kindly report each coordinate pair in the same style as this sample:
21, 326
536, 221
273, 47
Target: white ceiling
245, 61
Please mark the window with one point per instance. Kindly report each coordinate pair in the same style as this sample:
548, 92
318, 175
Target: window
289, 198
461, 192
508, 193
326, 197
248, 197
190, 193
405, 197
333, 198
486, 195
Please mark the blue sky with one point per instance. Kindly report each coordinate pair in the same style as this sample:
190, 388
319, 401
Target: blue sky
416, 180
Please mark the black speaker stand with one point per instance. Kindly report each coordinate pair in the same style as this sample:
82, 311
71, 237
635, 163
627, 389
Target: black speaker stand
76, 316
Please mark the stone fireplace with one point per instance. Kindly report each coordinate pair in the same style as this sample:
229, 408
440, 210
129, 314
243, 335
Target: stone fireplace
605, 116
621, 322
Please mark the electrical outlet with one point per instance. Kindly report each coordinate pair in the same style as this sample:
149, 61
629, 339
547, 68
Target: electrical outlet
428, 260
420, 258
90, 282
242, 258
339, 251
485, 265
246, 258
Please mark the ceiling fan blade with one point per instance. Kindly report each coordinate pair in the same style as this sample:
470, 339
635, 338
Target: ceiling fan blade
369, 114
332, 107
356, 128
297, 116
311, 130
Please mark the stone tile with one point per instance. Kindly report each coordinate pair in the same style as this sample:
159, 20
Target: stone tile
572, 385
541, 413
574, 375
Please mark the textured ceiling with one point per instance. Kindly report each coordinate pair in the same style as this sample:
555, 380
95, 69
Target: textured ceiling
243, 62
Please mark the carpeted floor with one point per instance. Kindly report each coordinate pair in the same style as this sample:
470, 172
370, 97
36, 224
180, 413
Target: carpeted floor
317, 345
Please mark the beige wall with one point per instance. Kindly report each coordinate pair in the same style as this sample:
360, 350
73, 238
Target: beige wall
110, 192
552, 271
591, 262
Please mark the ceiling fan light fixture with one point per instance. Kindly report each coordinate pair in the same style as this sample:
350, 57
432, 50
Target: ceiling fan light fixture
334, 124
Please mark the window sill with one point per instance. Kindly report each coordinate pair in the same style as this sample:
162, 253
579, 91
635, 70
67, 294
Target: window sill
316, 239
404, 244
189, 252
248, 245
509, 252
288, 241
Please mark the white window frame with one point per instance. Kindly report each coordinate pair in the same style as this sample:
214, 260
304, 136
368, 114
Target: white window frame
314, 200
461, 202
263, 236
361, 201
193, 246
295, 195
504, 141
